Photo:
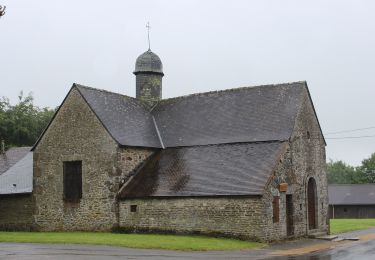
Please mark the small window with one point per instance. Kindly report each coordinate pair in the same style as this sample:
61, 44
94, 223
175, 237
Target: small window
72, 181
275, 207
345, 210
133, 208
308, 135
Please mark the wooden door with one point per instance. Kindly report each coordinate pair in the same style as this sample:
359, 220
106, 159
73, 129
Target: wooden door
311, 203
289, 215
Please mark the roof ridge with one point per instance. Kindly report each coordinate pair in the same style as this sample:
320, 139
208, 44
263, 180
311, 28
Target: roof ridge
103, 90
232, 89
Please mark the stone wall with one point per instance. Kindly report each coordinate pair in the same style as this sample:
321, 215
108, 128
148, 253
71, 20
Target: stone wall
282, 174
149, 87
16, 212
77, 134
228, 216
129, 159
303, 158
308, 160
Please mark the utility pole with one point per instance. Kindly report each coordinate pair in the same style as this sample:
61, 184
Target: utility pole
2, 10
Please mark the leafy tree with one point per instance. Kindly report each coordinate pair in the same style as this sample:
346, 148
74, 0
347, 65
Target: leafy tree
21, 124
341, 173
367, 168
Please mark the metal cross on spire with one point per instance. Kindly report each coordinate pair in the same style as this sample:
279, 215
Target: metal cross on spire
148, 35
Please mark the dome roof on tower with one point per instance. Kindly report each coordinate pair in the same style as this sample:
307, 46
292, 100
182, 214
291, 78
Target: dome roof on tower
148, 62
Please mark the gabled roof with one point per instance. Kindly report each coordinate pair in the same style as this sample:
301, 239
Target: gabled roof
19, 177
125, 118
213, 170
251, 114
351, 194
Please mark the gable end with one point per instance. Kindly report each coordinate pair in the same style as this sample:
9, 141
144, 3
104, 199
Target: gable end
74, 86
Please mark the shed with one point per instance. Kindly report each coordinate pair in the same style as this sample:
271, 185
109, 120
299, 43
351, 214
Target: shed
351, 201
16, 186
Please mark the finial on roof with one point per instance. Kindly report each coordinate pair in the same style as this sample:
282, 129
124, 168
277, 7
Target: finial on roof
148, 35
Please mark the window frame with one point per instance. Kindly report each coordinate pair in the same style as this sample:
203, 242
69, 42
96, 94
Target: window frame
276, 209
70, 170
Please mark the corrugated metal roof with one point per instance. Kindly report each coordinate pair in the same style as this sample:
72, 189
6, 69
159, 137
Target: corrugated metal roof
351, 194
214, 170
251, 114
19, 177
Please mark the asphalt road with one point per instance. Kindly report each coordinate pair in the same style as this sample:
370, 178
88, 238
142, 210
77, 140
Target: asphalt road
353, 251
83, 252
364, 250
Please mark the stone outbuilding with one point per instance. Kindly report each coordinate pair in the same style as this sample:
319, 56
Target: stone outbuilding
16, 186
246, 162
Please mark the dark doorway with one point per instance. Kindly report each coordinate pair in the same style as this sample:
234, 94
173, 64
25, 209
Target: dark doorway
311, 203
289, 215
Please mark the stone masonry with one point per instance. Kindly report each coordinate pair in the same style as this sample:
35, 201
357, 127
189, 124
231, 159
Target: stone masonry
228, 216
16, 212
77, 134
303, 157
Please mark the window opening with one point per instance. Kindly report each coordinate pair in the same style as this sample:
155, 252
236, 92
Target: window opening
72, 180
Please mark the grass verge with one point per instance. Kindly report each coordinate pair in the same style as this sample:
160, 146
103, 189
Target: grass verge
347, 225
151, 241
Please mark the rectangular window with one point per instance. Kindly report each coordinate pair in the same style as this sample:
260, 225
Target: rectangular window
133, 208
275, 207
72, 181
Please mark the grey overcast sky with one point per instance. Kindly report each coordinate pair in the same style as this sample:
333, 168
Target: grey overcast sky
45, 46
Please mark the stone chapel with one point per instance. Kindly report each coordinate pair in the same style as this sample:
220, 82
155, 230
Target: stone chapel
246, 162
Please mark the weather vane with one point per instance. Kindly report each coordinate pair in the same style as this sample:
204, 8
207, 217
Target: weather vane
2, 10
148, 35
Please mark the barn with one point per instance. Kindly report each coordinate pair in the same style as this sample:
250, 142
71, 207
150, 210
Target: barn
351, 201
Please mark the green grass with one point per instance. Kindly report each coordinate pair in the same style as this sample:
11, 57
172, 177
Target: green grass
170, 242
346, 225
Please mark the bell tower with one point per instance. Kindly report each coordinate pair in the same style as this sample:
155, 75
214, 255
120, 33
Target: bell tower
148, 73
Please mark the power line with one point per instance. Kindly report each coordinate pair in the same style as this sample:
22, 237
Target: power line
350, 137
348, 131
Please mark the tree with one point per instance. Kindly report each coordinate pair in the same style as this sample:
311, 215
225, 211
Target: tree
341, 173
367, 168
22, 123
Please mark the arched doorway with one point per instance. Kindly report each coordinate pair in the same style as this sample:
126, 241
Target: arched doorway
311, 203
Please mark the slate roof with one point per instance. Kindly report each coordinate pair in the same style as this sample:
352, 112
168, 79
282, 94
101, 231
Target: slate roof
148, 62
11, 157
126, 119
18, 178
351, 194
195, 132
252, 114
214, 170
